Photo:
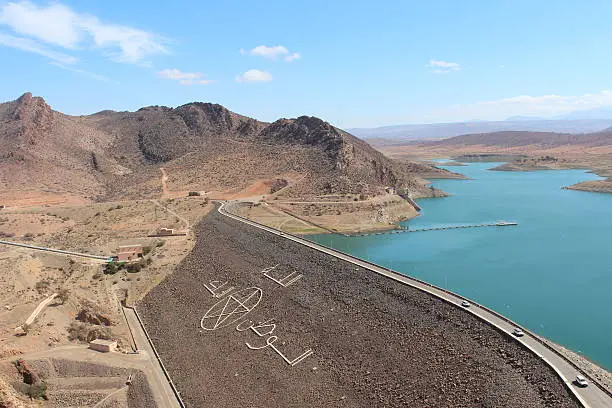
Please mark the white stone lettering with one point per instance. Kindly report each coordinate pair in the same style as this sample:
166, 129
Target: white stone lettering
283, 281
217, 289
230, 310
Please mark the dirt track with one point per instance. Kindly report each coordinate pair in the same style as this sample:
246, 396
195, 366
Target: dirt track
375, 342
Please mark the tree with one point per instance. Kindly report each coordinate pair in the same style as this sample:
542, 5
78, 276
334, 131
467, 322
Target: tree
111, 268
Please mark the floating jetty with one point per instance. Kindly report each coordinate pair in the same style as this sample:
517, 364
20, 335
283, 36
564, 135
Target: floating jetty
450, 227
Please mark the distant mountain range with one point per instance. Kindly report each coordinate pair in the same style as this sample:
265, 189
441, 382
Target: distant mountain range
585, 121
201, 146
514, 139
603, 113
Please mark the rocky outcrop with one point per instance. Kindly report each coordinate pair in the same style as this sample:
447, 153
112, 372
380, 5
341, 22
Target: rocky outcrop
35, 117
306, 131
29, 376
91, 317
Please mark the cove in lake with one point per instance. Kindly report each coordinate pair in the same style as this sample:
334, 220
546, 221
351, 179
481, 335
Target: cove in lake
552, 273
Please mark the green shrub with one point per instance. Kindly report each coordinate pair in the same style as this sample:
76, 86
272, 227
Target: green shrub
134, 267
111, 268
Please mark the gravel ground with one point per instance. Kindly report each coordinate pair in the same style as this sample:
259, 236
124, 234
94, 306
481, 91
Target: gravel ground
139, 394
74, 398
83, 392
376, 342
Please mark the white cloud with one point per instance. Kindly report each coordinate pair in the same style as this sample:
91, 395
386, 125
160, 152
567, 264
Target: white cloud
273, 52
54, 24
92, 75
523, 105
184, 78
269, 52
443, 67
254, 75
60, 26
293, 57
177, 74
26, 44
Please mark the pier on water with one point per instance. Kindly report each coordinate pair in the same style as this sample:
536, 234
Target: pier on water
449, 227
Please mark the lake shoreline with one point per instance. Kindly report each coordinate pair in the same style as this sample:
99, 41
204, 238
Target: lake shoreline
594, 186
536, 201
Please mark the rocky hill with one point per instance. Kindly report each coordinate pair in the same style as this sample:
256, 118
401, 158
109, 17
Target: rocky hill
200, 146
45, 150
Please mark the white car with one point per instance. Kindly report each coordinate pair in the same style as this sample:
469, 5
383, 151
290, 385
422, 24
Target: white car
518, 332
465, 303
581, 381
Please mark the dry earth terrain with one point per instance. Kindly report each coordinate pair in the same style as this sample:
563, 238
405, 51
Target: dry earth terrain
90, 308
326, 215
322, 332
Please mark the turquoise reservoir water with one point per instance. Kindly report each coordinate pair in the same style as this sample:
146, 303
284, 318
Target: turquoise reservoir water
552, 273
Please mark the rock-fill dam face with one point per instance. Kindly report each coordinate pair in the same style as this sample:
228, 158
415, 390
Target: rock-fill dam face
252, 319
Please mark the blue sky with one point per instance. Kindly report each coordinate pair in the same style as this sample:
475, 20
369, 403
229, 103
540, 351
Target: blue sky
353, 63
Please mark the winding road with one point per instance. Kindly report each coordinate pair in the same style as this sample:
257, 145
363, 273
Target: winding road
592, 396
180, 217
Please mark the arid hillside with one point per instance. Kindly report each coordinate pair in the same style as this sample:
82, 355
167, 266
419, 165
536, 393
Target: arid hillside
46, 151
196, 147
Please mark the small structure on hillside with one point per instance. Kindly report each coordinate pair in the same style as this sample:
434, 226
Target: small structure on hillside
104, 346
165, 231
129, 252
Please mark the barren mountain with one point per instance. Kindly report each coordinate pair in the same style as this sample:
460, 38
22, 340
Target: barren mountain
539, 139
592, 149
46, 150
403, 133
200, 146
